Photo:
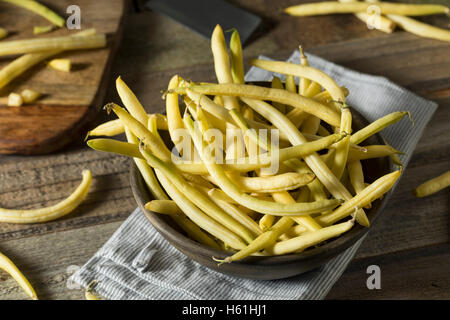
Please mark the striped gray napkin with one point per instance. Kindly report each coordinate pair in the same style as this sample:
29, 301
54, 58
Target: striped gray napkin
137, 263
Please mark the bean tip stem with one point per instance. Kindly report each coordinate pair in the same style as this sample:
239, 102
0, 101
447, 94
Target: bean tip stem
221, 261
108, 107
410, 118
302, 54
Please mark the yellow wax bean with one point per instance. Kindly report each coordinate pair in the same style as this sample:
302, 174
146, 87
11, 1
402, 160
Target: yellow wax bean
374, 20
374, 191
290, 83
195, 232
220, 195
266, 221
147, 173
30, 96
306, 221
115, 127
343, 146
15, 100
89, 292
163, 207
266, 184
192, 230
222, 64
3, 33
42, 29
235, 212
432, 186
218, 100
39, 9
255, 92
302, 71
220, 112
171, 208
115, 146
420, 28
197, 197
237, 60
8, 266
297, 117
174, 120
264, 240
248, 163
235, 193
52, 44
313, 89
293, 232
370, 152
198, 216
26, 61
333, 7
277, 84
61, 64
225, 183
376, 126
310, 125
319, 168
356, 175
131, 102
303, 82
140, 131
309, 239
53, 212
280, 196
324, 96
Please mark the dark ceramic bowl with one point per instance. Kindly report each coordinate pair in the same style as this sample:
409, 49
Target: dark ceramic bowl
267, 267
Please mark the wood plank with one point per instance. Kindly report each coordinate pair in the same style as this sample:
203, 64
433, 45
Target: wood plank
109, 199
402, 58
70, 100
47, 260
412, 274
155, 48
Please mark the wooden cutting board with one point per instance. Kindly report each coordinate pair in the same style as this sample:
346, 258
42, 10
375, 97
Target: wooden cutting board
71, 100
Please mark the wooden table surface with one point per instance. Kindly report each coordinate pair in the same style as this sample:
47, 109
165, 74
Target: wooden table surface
410, 241
70, 100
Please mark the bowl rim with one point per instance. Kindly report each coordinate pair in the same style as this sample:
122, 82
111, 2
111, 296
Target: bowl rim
335, 246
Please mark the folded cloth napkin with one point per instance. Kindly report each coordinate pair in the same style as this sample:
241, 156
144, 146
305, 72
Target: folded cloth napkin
137, 263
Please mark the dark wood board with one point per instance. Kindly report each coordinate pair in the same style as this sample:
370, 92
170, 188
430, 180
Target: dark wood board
71, 100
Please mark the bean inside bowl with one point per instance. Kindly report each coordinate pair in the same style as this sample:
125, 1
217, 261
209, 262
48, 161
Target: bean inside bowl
267, 267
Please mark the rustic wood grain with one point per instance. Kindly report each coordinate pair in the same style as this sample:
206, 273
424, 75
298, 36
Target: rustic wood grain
48, 182
415, 274
411, 232
49, 260
71, 100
